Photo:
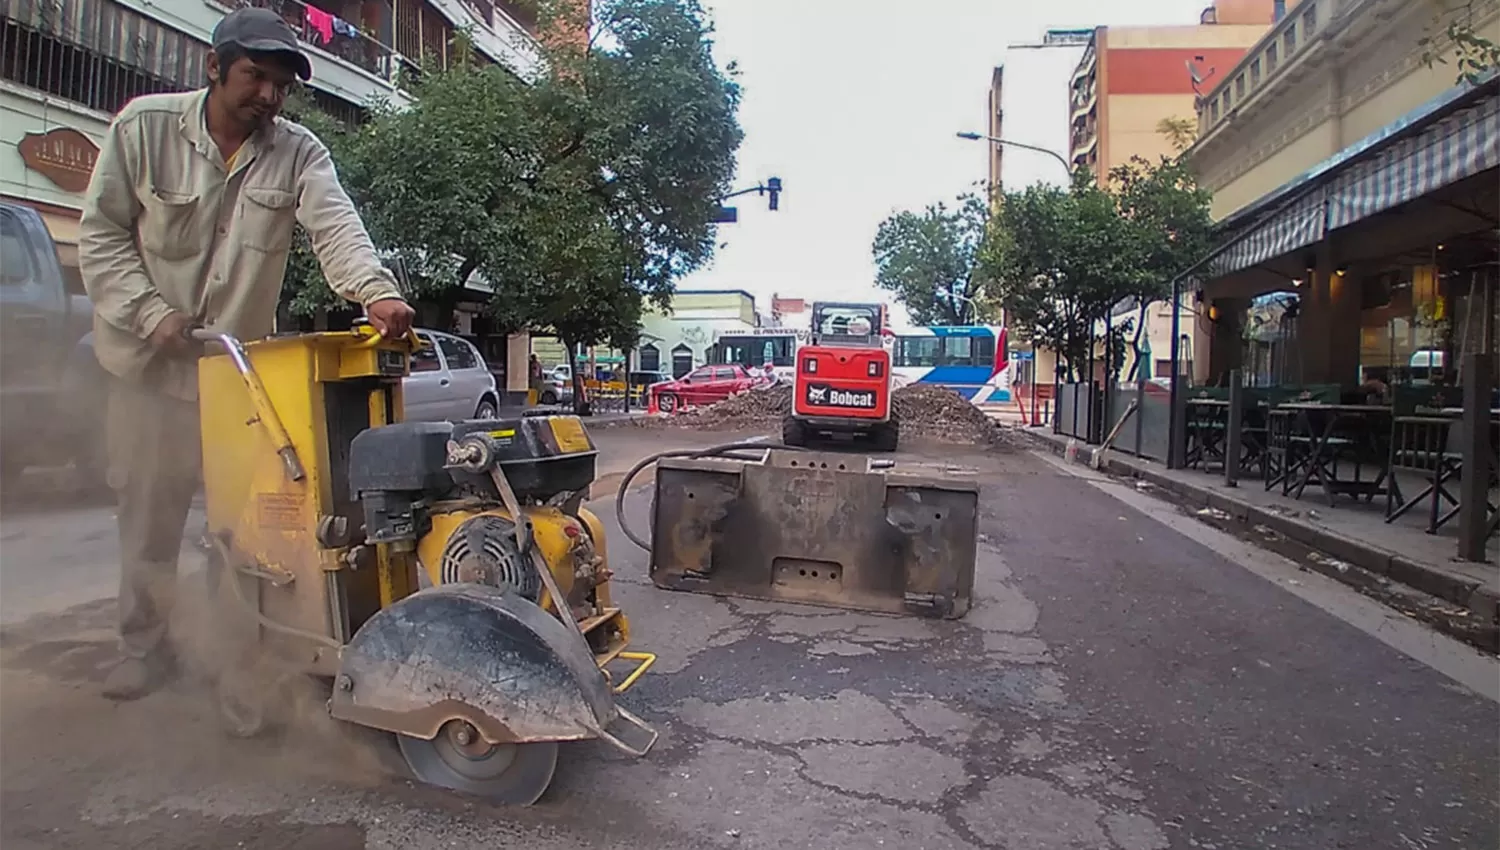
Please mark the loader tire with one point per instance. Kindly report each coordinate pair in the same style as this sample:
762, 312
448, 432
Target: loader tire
793, 432
886, 436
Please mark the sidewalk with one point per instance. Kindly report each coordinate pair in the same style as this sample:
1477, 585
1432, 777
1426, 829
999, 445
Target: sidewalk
1357, 535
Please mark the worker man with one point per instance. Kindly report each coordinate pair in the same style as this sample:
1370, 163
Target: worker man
534, 377
187, 222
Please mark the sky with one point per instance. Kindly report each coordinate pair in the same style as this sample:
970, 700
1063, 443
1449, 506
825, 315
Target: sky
854, 105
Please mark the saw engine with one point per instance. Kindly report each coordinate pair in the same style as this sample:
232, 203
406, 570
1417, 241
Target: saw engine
432, 486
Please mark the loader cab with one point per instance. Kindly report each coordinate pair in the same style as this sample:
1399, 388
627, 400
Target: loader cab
847, 325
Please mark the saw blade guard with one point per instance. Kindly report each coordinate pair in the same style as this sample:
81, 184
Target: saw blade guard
474, 653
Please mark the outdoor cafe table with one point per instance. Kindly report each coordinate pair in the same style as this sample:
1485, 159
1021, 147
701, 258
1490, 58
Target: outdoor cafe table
1332, 429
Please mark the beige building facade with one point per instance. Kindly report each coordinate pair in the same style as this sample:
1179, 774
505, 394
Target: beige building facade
1132, 78
1356, 184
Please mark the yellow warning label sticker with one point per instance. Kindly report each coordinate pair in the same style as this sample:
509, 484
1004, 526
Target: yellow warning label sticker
570, 435
280, 510
503, 433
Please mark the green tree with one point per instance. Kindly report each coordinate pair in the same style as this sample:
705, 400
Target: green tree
1179, 132
1057, 262
1166, 216
1472, 54
575, 195
929, 260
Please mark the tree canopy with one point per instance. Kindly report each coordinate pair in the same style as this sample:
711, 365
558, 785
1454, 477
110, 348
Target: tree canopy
929, 260
1452, 35
1059, 261
574, 196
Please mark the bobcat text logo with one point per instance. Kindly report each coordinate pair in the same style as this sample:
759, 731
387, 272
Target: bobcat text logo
826, 396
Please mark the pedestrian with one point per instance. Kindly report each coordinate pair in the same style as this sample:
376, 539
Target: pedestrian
187, 222
534, 376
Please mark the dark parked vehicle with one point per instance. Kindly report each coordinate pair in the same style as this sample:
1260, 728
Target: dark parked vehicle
52, 390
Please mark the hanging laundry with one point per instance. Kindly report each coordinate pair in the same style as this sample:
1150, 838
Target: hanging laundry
344, 28
321, 23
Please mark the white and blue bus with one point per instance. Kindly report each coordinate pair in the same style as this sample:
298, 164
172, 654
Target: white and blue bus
970, 360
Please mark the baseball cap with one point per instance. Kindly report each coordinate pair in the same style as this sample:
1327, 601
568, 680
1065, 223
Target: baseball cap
261, 30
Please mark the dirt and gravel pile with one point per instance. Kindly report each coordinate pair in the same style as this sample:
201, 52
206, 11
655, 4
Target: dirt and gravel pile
750, 409
937, 413
924, 410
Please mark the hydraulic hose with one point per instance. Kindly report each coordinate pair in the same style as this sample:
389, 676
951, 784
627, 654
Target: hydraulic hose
725, 450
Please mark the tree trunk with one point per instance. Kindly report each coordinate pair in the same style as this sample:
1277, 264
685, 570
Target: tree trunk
581, 404
1135, 343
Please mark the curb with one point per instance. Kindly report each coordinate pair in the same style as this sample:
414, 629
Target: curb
1482, 602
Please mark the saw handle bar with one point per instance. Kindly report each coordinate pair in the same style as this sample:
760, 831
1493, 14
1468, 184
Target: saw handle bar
265, 412
410, 338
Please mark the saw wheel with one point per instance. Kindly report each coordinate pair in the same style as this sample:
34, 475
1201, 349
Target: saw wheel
460, 760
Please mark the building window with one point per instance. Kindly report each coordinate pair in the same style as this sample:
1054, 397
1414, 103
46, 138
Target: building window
1289, 40
1270, 58
1228, 102
1213, 110
1239, 87
1278, 9
650, 358
1255, 71
682, 360
1310, 19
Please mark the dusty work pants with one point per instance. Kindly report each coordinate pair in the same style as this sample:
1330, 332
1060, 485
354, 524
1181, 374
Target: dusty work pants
155, 459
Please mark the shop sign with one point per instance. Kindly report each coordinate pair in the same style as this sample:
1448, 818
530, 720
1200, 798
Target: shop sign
64, 156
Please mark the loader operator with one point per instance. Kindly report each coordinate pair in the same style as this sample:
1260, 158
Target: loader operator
187, 222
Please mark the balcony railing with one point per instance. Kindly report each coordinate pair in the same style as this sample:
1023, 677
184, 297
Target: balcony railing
1283, 45
334, 35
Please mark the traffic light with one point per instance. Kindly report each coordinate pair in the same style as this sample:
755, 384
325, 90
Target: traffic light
773, 185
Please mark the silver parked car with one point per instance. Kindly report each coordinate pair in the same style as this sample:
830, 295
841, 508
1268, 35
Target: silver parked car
449, 381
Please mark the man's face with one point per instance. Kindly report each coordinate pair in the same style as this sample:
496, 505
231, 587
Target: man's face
254, 88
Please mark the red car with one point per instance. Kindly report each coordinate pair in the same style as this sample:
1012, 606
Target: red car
704, 385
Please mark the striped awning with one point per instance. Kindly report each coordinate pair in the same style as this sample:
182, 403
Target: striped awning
1433, 147
120, 33
1297, 225
1460, 145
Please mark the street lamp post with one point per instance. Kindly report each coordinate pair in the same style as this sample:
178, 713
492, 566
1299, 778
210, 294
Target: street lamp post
954, 296
979, 137
1068, 169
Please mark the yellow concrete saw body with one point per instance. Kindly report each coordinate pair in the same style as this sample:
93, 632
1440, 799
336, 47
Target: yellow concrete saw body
383, 558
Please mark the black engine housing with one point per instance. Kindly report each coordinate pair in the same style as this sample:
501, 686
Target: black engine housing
398, 469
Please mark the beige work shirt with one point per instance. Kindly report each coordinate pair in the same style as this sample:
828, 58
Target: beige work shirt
167, 226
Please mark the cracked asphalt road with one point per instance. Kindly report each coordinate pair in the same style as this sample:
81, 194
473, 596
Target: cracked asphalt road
1118, 685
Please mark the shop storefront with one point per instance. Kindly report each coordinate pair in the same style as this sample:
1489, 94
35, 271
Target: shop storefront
1379, 265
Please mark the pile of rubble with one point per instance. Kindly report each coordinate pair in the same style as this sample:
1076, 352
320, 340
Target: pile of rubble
932, 412
926, 411
757, 408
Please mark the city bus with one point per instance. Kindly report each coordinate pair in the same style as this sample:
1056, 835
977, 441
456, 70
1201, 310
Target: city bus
970, 360
760, 349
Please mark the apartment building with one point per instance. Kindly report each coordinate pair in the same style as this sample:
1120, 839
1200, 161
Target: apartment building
1033, 110
66, 66
1130, 79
